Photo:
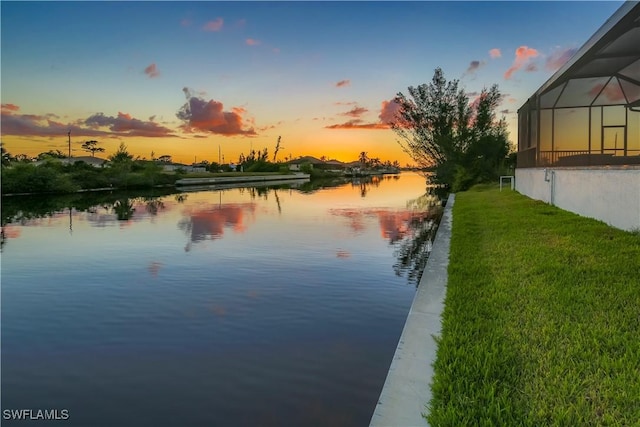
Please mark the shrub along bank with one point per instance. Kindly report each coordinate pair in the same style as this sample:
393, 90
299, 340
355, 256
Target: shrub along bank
540, 325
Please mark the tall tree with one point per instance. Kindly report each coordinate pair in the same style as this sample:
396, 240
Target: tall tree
92, 147
363, 158
441, 129
122, 155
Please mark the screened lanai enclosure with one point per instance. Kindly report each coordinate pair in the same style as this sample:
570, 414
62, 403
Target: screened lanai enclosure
588, 113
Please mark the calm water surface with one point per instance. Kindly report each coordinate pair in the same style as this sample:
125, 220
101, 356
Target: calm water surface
243, 306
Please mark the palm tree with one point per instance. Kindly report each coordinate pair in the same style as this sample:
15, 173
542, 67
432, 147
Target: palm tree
364, 159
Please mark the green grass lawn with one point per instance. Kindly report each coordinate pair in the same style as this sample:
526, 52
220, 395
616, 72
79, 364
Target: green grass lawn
541, 325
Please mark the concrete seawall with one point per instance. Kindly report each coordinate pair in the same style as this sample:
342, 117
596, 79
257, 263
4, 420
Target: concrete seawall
407, 389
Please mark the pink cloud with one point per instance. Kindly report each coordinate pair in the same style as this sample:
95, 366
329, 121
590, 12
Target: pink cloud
215, 25
343, 83
276, 50
96, 125
152, 71
388, 115
389, 111
209, 116
10, 107
495, 53
185, 22
559, 57
124, 124
523, 56
253, 42
531, 67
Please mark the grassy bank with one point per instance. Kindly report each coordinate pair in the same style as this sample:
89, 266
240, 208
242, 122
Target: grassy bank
541, 319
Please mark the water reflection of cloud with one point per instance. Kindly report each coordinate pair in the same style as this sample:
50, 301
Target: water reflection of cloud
393, 224
210, 223
355, 217
10, 232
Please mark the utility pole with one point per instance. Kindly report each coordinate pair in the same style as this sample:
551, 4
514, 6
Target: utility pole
69, 135
219, 155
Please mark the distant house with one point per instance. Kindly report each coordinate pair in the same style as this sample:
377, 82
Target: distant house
334, 165
172, 167
295, 164
579, 133
329, 165
93, 161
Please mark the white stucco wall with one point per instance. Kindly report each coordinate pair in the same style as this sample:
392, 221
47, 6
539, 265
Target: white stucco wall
611, 195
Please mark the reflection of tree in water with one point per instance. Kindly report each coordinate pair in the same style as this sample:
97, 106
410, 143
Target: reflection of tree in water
365, 183
413, 252
123, 209
153, 205
26, 209
180, 198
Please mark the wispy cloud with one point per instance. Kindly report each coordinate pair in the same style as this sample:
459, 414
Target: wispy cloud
152, 71
185, 22
559, 57
495, 53
355, 112
209, 116
357, 124
343, 83
10, 107
524, 54
388, 114
253, 42
215, 25
473, 67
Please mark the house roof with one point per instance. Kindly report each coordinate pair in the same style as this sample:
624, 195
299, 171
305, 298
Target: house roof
605, 70
87, 159
306, 159
334, 162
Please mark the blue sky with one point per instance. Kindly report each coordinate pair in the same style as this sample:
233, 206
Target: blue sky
253, 71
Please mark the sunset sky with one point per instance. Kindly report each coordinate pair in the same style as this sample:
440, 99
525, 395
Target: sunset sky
192, 79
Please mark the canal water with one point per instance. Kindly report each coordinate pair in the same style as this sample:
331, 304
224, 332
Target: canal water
245, 306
